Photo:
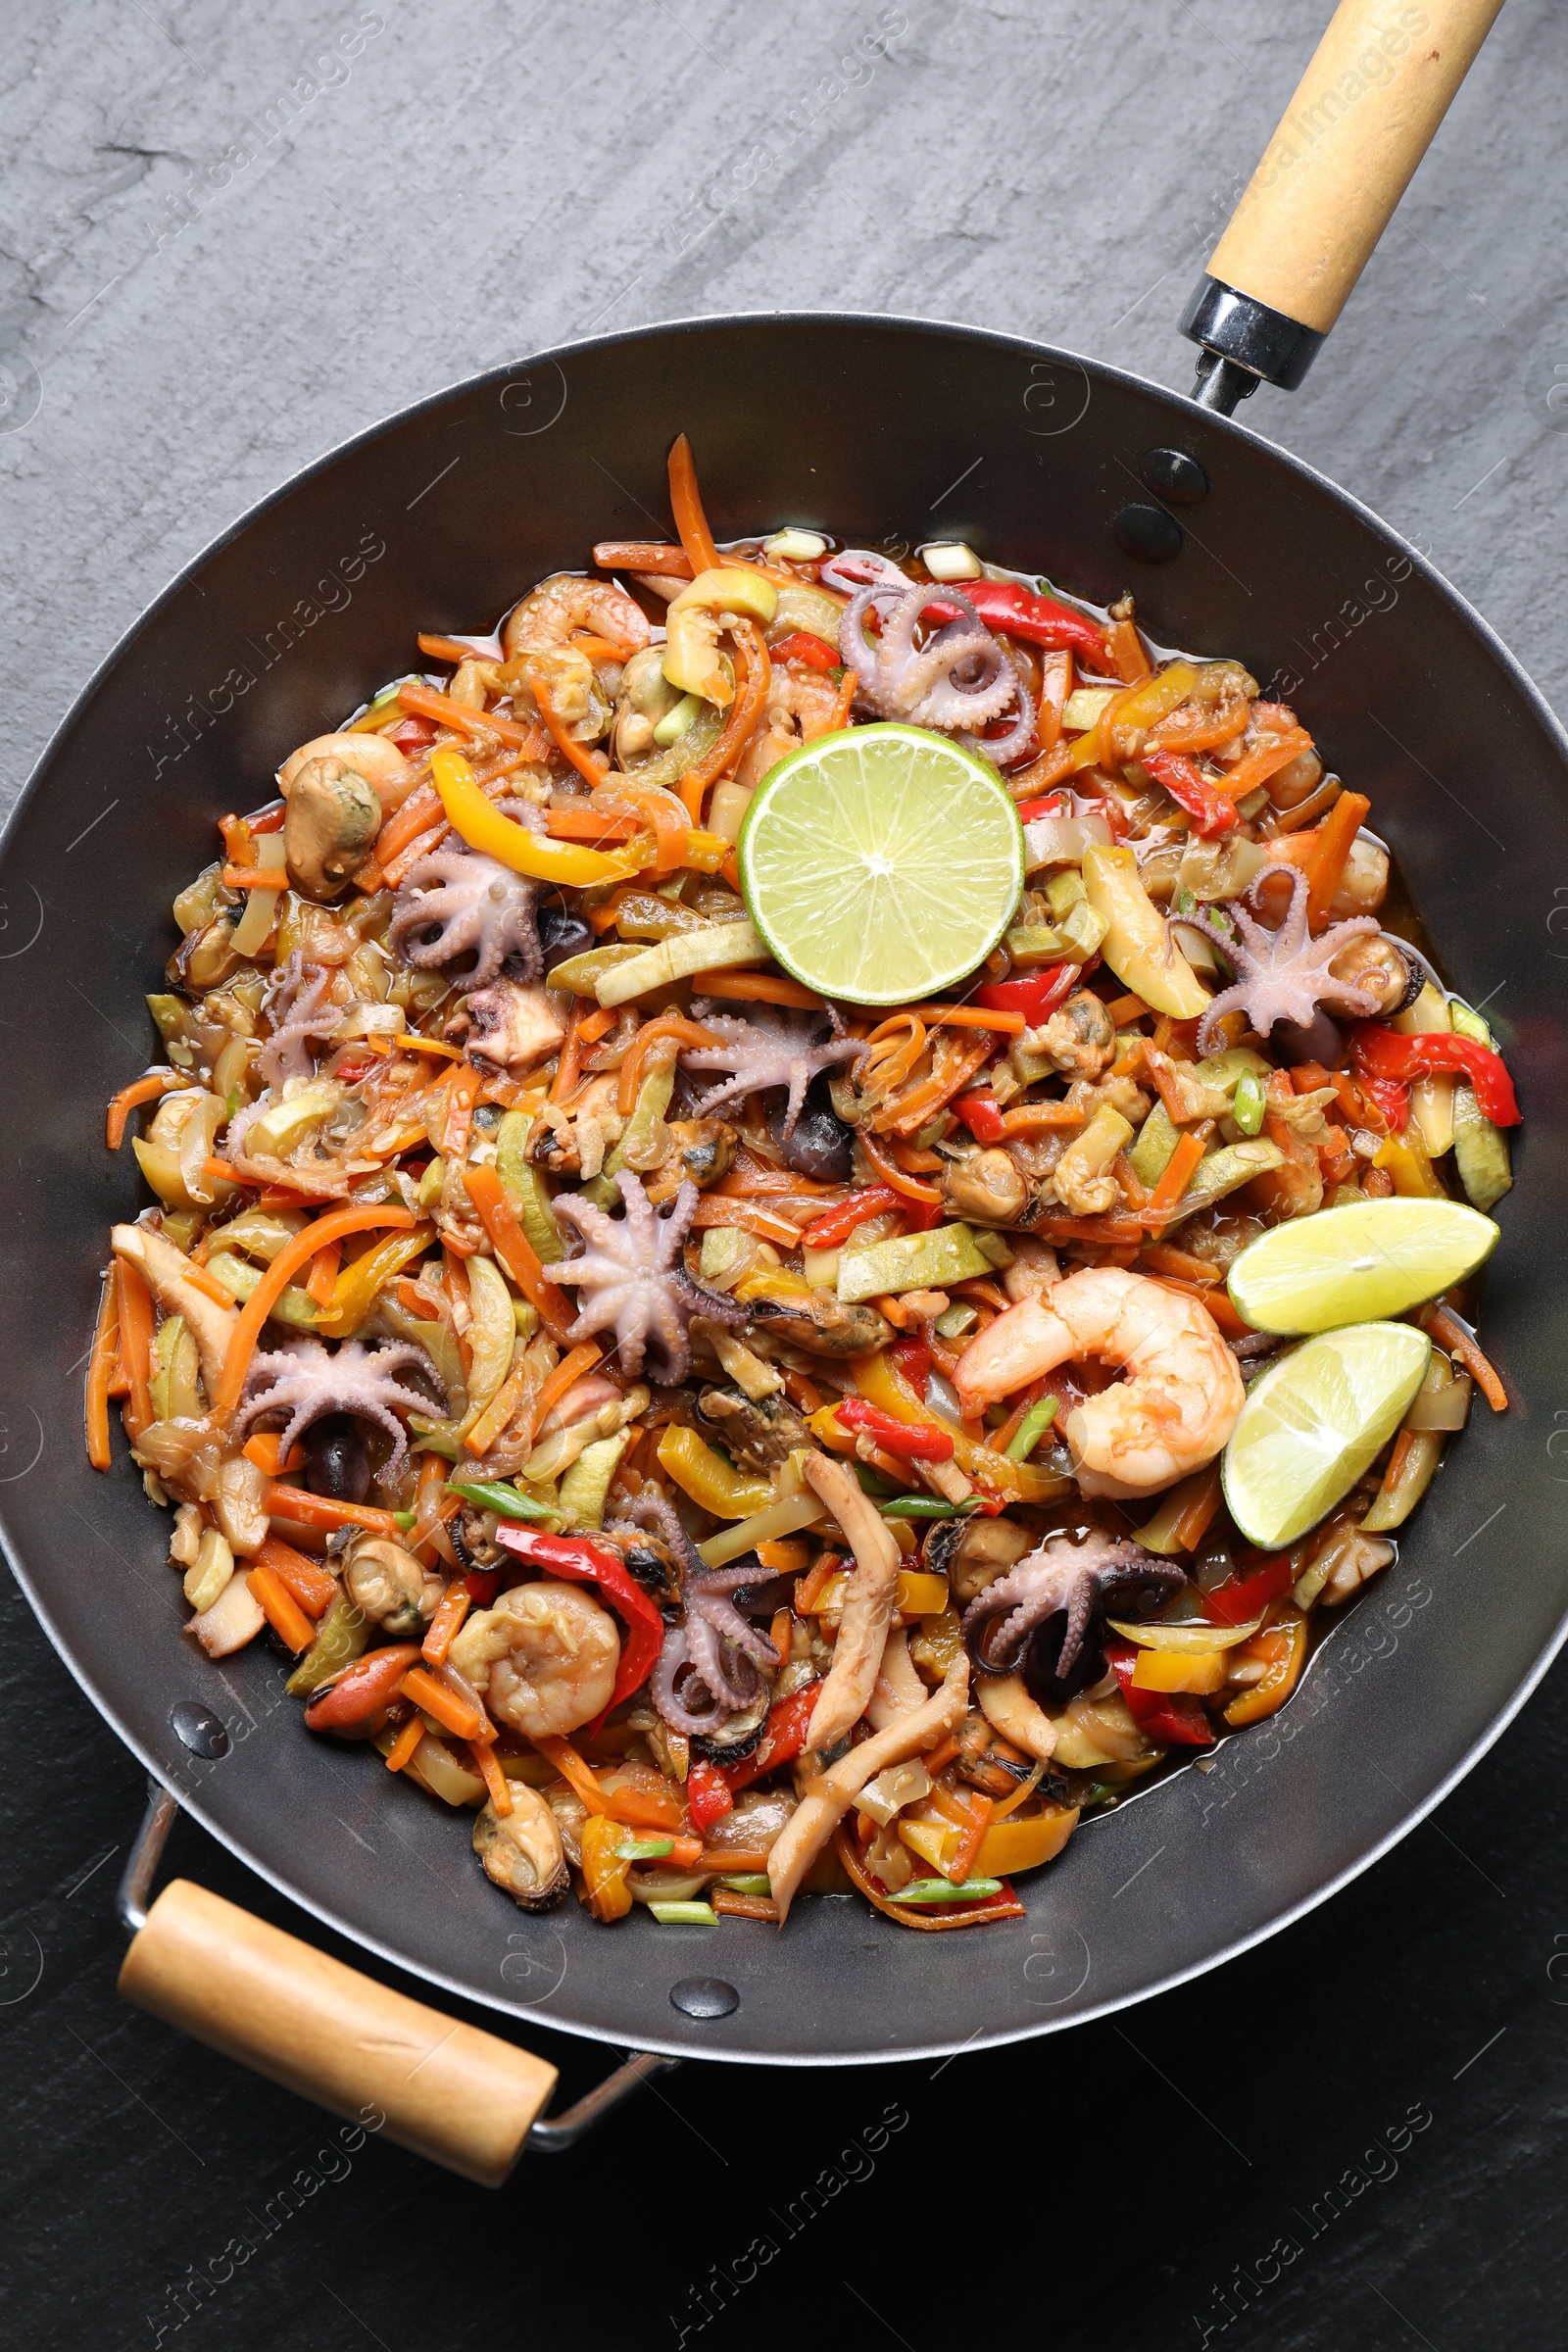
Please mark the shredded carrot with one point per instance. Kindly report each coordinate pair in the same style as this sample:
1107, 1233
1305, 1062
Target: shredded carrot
724, 1209
425, 702
136, 1316
489, 1770
404, 1746
845, 703
453, 1713
1450, 1333
559, 735
279, 1607
1179, 1170
970, 1016
313, 1587
1129, 657
462, 1093
568, 1062
750, 694
1336, 838
941, 1755
970, 1836
567, 1373
454, 1606
422, 810
101, 1368
913, 1111
1125, 1009
499, 1411
1272, 754
1162, 1257
890, 1172
665, 1025
140, 1090
448, 649
295, 1252
306, 1509
1039, 1118
324, 1273
643, 554
514, 1250
578, 1775
598, 1024
808, 1588
589, 826
638, 1809
398, 867
686, 505
1215, 1301
757, 987
727, 1902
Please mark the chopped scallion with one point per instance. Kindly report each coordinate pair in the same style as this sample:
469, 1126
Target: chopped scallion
1032, 1428
643, 1849
685, 1915
748, 1883
943, 1890
1250, 1102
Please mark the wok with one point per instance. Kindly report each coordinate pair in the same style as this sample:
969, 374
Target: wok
867, 426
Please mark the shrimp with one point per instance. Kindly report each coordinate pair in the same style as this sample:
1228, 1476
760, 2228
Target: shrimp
549, 615
545, 1657
1170, 1416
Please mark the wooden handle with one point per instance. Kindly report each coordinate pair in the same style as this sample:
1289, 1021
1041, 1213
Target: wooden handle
463, 2098
1363, 117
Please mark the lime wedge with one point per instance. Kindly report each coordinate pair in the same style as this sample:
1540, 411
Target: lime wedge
1313, 1422
881, 864
1345, 1266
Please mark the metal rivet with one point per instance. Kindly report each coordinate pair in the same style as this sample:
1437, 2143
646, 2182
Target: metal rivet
199, 1728
703, 1996
1147, 533
1174, 476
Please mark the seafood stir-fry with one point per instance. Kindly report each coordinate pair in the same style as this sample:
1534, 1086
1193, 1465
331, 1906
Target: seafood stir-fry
807, 1212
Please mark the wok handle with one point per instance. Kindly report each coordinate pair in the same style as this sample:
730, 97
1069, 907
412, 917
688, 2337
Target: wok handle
1364, 115
448, 2092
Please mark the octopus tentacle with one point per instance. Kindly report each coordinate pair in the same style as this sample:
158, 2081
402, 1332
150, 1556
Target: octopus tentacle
302, 1382
457, 902
1281, 975
631, 1272
959, 680
770, 1050
1061, 1577
293, 1004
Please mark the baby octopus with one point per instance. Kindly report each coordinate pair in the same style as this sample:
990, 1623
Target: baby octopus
293, 1004
458, 903
1281, 975
716, 1650
302, 1383
771, 1051
635, 1280
1072, 1582
959, 680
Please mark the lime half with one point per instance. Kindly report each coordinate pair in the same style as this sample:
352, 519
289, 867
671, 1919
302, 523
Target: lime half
881, 864
1345, 1266
1312, 1423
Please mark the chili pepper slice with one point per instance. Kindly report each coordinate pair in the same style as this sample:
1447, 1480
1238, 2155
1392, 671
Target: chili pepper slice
1038, 619
595, 1564
803, 646
1189, 789
915, 1441
1380, 1052
980, 1112
1036, 997
1163, 1715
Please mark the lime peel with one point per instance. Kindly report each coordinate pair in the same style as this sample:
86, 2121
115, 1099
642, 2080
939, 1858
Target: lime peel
881, 864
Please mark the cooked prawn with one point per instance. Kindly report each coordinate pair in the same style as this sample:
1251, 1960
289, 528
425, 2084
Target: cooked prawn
544, 1658
801, 704
1170, 1416
549, 616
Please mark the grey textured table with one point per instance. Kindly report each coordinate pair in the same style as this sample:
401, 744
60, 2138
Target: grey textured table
225, 243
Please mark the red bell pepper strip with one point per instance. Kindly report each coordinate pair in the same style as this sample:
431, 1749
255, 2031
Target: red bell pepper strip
1189, 789
1392, 1098
1035, 997
914, 1360
708, 1797
980, 1112
1169, 1715
836, 1225
1380, 1052
915, 1441
1054, 804
1021, 611
481, 1586
595, 1564
784, 1736
1247, 1596
803, 646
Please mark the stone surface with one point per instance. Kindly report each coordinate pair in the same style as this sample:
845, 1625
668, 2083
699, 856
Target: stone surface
227, 240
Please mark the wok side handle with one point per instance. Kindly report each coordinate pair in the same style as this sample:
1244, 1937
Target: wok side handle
1363, 115
463, 2098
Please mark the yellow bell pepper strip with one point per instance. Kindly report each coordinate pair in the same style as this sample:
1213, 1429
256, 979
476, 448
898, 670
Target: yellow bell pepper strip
1134, 711
358, 1286
295, 1254
708, 1479
915, 1593
1137, 944
1200, 1671
483, 827
1282, 1646
779, 1519
691, 651
1405, 1159
605, 1872
1006, 1847
881, 1384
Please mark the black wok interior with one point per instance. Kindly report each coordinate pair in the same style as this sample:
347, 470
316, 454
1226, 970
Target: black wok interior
868, 428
